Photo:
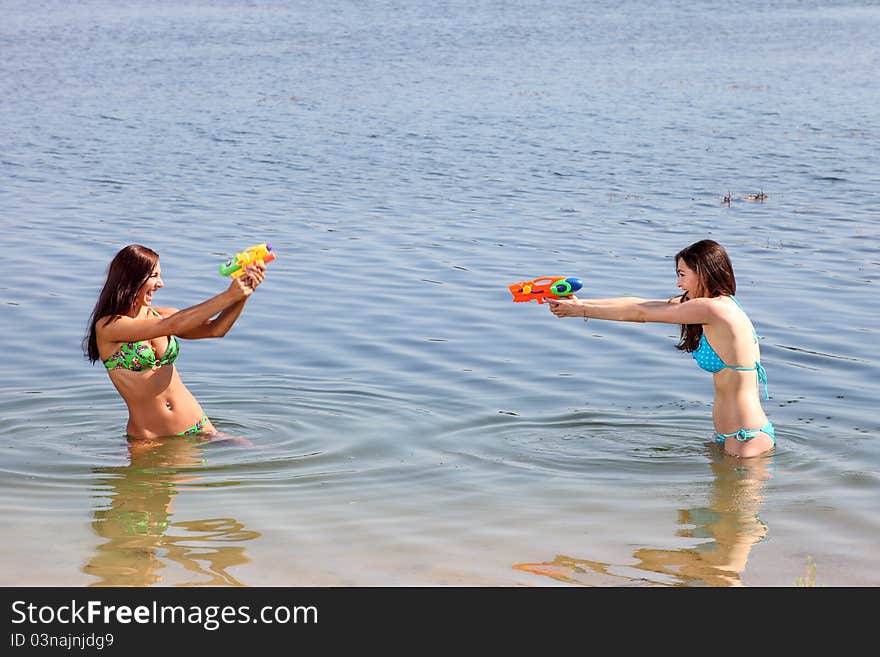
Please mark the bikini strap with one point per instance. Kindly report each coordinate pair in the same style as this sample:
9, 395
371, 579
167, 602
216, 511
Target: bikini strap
736, 301
762, 374
762, 378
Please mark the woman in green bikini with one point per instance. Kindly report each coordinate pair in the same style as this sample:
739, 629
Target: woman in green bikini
715, 330
137, 342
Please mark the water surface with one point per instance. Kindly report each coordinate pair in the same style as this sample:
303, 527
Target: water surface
410, 425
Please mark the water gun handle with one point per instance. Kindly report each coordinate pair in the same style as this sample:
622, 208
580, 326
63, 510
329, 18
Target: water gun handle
546, 287
251, 255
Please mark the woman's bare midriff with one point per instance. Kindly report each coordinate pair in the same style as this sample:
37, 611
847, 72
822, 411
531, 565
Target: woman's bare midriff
737, 406
159, 404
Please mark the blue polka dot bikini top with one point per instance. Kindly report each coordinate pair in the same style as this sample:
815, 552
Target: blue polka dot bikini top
708, 360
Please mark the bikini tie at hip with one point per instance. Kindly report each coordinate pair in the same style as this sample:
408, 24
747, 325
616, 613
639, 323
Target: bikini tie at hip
743, 435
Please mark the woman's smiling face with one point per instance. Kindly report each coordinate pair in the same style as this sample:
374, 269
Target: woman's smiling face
154, 282
688, 280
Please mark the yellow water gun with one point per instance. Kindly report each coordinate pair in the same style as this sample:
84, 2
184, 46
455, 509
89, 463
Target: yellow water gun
259, 253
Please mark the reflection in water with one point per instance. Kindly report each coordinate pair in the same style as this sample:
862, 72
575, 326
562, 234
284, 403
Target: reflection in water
730, 523
141, 537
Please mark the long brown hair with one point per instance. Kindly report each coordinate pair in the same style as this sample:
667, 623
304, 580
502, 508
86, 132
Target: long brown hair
710, 262
128, 271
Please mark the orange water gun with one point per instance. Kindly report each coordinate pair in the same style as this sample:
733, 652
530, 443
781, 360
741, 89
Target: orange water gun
541, 289
251, 255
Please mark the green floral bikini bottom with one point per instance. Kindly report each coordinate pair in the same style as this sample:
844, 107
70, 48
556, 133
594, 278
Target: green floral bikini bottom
196, 428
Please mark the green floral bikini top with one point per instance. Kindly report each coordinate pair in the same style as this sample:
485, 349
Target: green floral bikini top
139, 356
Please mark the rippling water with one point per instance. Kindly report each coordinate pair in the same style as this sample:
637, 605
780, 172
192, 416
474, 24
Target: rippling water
410, 425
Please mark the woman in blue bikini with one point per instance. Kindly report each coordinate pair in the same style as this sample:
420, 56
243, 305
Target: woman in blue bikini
715, 330
137, 342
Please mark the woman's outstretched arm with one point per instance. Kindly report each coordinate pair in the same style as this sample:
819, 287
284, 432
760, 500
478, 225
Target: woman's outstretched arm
633, 309
220, 325
128, 329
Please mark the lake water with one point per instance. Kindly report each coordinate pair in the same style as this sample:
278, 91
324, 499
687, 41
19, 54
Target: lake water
411, 426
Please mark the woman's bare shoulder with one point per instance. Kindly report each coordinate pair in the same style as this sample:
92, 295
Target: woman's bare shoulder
165, 311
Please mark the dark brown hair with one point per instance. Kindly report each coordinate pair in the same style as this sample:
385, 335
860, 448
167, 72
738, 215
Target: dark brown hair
714, 270
128, 271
